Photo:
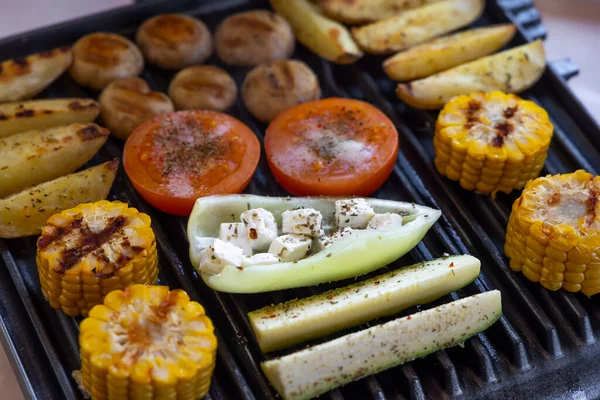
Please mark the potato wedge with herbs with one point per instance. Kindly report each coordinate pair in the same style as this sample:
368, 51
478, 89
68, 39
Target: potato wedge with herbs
328, 38
33, 157
41, 114
417, 26
24, 213
511, 71
23, 78
447, 52
361, 11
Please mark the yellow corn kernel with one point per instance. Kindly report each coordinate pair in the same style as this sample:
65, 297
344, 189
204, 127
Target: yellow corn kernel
88, 251
553, 231
491, 142
146, 342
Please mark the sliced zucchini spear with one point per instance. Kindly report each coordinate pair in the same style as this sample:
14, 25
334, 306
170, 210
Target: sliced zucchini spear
315, 370
283, 325
359, 253
511, 71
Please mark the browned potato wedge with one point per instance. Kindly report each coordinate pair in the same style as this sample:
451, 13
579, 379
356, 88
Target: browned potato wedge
24, 213
254, 37
203, 87
23, 78
326, 37
510, 71
417, 26
33, 157
42, 114
272, 88
174, 41
447, 52
101, 58
128, 102
360, 11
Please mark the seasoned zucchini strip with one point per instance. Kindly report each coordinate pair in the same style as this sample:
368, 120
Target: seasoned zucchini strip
283, 325
491, 142
88, 251
553, 232
315, 370
146, 342
352, 252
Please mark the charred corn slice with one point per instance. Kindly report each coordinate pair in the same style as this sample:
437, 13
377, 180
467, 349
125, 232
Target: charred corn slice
491, 142
553, 232
88, 251
146, 342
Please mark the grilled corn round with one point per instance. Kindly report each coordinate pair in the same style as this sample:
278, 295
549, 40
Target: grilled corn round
88, 251
147, 342
553, 232
491, 142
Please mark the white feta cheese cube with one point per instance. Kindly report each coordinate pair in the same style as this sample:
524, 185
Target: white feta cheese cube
261, 259
262, 227
236, 233
304, 221
385, 222
218, 256
353, 213
291, 247
325, 241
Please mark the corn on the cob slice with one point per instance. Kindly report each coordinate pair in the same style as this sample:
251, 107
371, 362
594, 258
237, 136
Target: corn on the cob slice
553, 232
491, 142
146, 342
90, 250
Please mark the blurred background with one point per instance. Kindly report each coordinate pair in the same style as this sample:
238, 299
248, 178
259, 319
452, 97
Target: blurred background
573, 31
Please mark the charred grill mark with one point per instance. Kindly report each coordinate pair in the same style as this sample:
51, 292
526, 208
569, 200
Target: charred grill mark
554, 199
56, 232
90, 242
3, 117
24, 113
92, 131
47, 111
165, 306
592, 202
472, 112
253, 23
509, 112
20, 62
288, 75
77, 105
215, 88
503, 129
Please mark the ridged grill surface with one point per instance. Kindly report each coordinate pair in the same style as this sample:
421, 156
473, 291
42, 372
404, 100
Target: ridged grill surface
544, 346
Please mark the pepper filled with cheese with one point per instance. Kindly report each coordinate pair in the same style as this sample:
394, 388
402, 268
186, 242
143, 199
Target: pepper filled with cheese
553, 233
88, 251
146, 342
491, 142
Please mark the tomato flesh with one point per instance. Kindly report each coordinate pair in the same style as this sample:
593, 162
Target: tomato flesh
175, 158
335, 147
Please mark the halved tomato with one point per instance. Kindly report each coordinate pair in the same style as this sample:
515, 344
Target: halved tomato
175, 158
331, 147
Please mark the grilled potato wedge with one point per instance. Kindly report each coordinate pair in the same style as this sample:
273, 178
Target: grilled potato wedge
23, 78
447, 52
361, 11
417, 26
41, 114
328, 38
24, 213
510, 71
33, 157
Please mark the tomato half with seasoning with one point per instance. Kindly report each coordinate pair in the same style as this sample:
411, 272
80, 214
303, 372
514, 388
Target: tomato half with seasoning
175, 158
331, 147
